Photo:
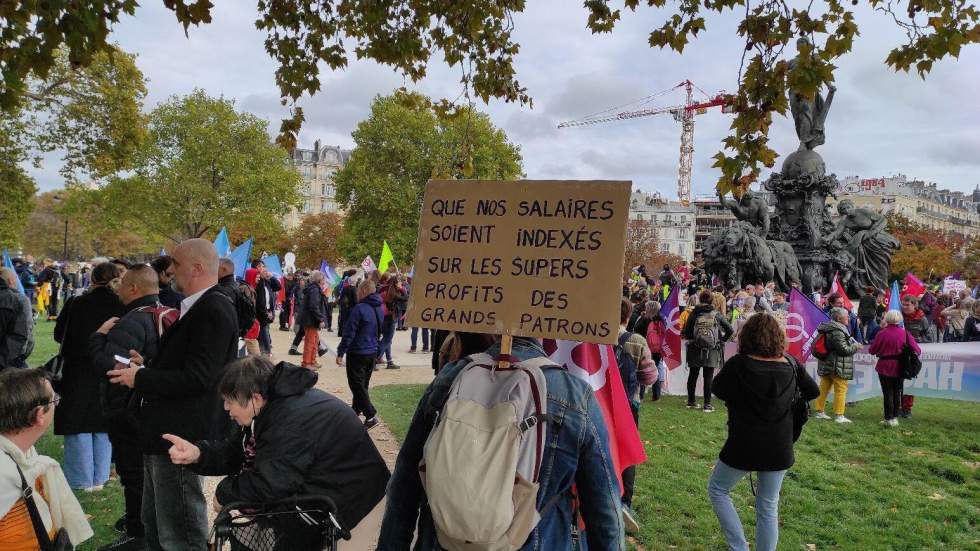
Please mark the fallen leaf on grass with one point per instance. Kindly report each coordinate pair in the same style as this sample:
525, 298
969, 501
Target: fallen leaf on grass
917, 453
973, 465
811, 547
937, 497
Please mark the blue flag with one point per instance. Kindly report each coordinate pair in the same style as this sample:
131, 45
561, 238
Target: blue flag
222, 244
8, 263
163, 252
241, 257
894, 300
272, 264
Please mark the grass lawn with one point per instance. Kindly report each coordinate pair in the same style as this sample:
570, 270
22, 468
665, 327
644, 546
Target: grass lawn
859, 486
102, 507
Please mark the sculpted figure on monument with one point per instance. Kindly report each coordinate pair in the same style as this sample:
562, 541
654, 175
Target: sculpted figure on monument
749, 209
809, 114
861, 232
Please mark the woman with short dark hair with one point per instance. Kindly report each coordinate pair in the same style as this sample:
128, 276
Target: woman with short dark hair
759, 386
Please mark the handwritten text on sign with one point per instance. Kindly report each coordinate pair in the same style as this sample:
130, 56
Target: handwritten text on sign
528, 258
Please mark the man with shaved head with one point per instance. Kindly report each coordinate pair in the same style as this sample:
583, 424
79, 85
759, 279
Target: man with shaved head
178, 391
138, 329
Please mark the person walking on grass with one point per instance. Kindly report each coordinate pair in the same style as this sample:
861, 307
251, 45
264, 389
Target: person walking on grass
360, 343
706, 331
888, 344
758, 385
837, 367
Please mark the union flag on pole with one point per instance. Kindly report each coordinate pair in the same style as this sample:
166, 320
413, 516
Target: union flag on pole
596, 364
671, 313
802, 320
914, 285
837, 289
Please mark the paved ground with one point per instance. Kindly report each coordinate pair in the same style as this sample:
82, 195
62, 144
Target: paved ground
416, 368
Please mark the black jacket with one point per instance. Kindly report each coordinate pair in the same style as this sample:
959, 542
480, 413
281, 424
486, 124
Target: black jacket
758, 395
179, 389
169, 297
80, 409
266, 289
696, 357
14, 327
313, 307
306, 442
134, 331
244, 308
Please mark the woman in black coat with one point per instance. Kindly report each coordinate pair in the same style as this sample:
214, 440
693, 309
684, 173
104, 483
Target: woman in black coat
759, 386
78, 416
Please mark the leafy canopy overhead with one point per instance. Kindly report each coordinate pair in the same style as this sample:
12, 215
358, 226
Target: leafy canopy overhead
203, 166
398, 148
477, 36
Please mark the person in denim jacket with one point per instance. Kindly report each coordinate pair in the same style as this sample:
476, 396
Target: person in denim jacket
577, 453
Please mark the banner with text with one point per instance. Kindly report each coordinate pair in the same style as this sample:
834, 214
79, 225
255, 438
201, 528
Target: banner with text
528, 258
949, 370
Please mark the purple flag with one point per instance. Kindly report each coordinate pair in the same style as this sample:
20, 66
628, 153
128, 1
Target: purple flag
671, 313
801, 325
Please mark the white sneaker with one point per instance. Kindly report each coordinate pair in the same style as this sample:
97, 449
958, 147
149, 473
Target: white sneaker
893, 422
842, 419
821, 415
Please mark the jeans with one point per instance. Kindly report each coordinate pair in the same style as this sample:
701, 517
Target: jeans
720, 485
129, 467
692, 382
360, 367
387, 335
891, 393
175, 515
265, 339
839, 385
425, 338
87, 459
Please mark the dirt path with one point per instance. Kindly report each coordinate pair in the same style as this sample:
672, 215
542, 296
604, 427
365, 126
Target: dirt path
333, 379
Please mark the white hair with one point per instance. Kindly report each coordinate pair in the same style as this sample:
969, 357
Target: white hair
893, 317
838, 312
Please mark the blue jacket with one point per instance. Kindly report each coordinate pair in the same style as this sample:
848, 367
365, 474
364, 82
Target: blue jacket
577, 453
362, 329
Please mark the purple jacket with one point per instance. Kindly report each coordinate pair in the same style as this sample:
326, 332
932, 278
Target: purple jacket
889, 342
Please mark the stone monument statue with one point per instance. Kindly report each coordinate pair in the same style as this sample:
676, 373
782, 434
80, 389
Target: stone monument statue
809, 114
801, 243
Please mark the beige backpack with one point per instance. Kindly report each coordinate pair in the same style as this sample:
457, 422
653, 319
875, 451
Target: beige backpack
482, 459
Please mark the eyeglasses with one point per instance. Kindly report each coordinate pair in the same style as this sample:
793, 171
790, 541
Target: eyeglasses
55, 398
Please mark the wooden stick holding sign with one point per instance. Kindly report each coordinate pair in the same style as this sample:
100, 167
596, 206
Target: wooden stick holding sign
506, 345
521, 258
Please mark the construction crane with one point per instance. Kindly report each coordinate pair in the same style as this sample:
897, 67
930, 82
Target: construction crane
683, 114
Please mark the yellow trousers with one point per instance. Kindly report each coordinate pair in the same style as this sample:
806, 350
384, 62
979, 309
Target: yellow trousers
840, 393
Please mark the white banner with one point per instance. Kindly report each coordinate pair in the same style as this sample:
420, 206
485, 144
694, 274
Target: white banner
950, 284
949, 370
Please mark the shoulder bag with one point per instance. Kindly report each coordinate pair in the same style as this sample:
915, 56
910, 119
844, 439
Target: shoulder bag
61, 542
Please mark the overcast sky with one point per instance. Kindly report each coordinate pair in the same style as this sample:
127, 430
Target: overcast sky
881, 123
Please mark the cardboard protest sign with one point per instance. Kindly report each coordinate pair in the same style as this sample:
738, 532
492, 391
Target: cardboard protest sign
953, 285
521, 258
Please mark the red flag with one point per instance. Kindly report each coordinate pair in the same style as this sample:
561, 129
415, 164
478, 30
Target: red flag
596, 364
671, 312
838, 289
913, 285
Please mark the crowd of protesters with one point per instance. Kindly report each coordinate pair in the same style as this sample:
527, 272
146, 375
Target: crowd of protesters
167, 372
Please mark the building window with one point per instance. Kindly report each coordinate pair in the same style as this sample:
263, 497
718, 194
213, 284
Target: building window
682, 233
665, 247
306, 206
683, 219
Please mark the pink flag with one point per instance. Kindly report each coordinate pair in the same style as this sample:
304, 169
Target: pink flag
838, 289
913, 285
596, 364
671, 313
802, 321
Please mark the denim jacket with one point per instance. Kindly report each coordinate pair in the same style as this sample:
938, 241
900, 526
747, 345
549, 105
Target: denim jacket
577, 453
